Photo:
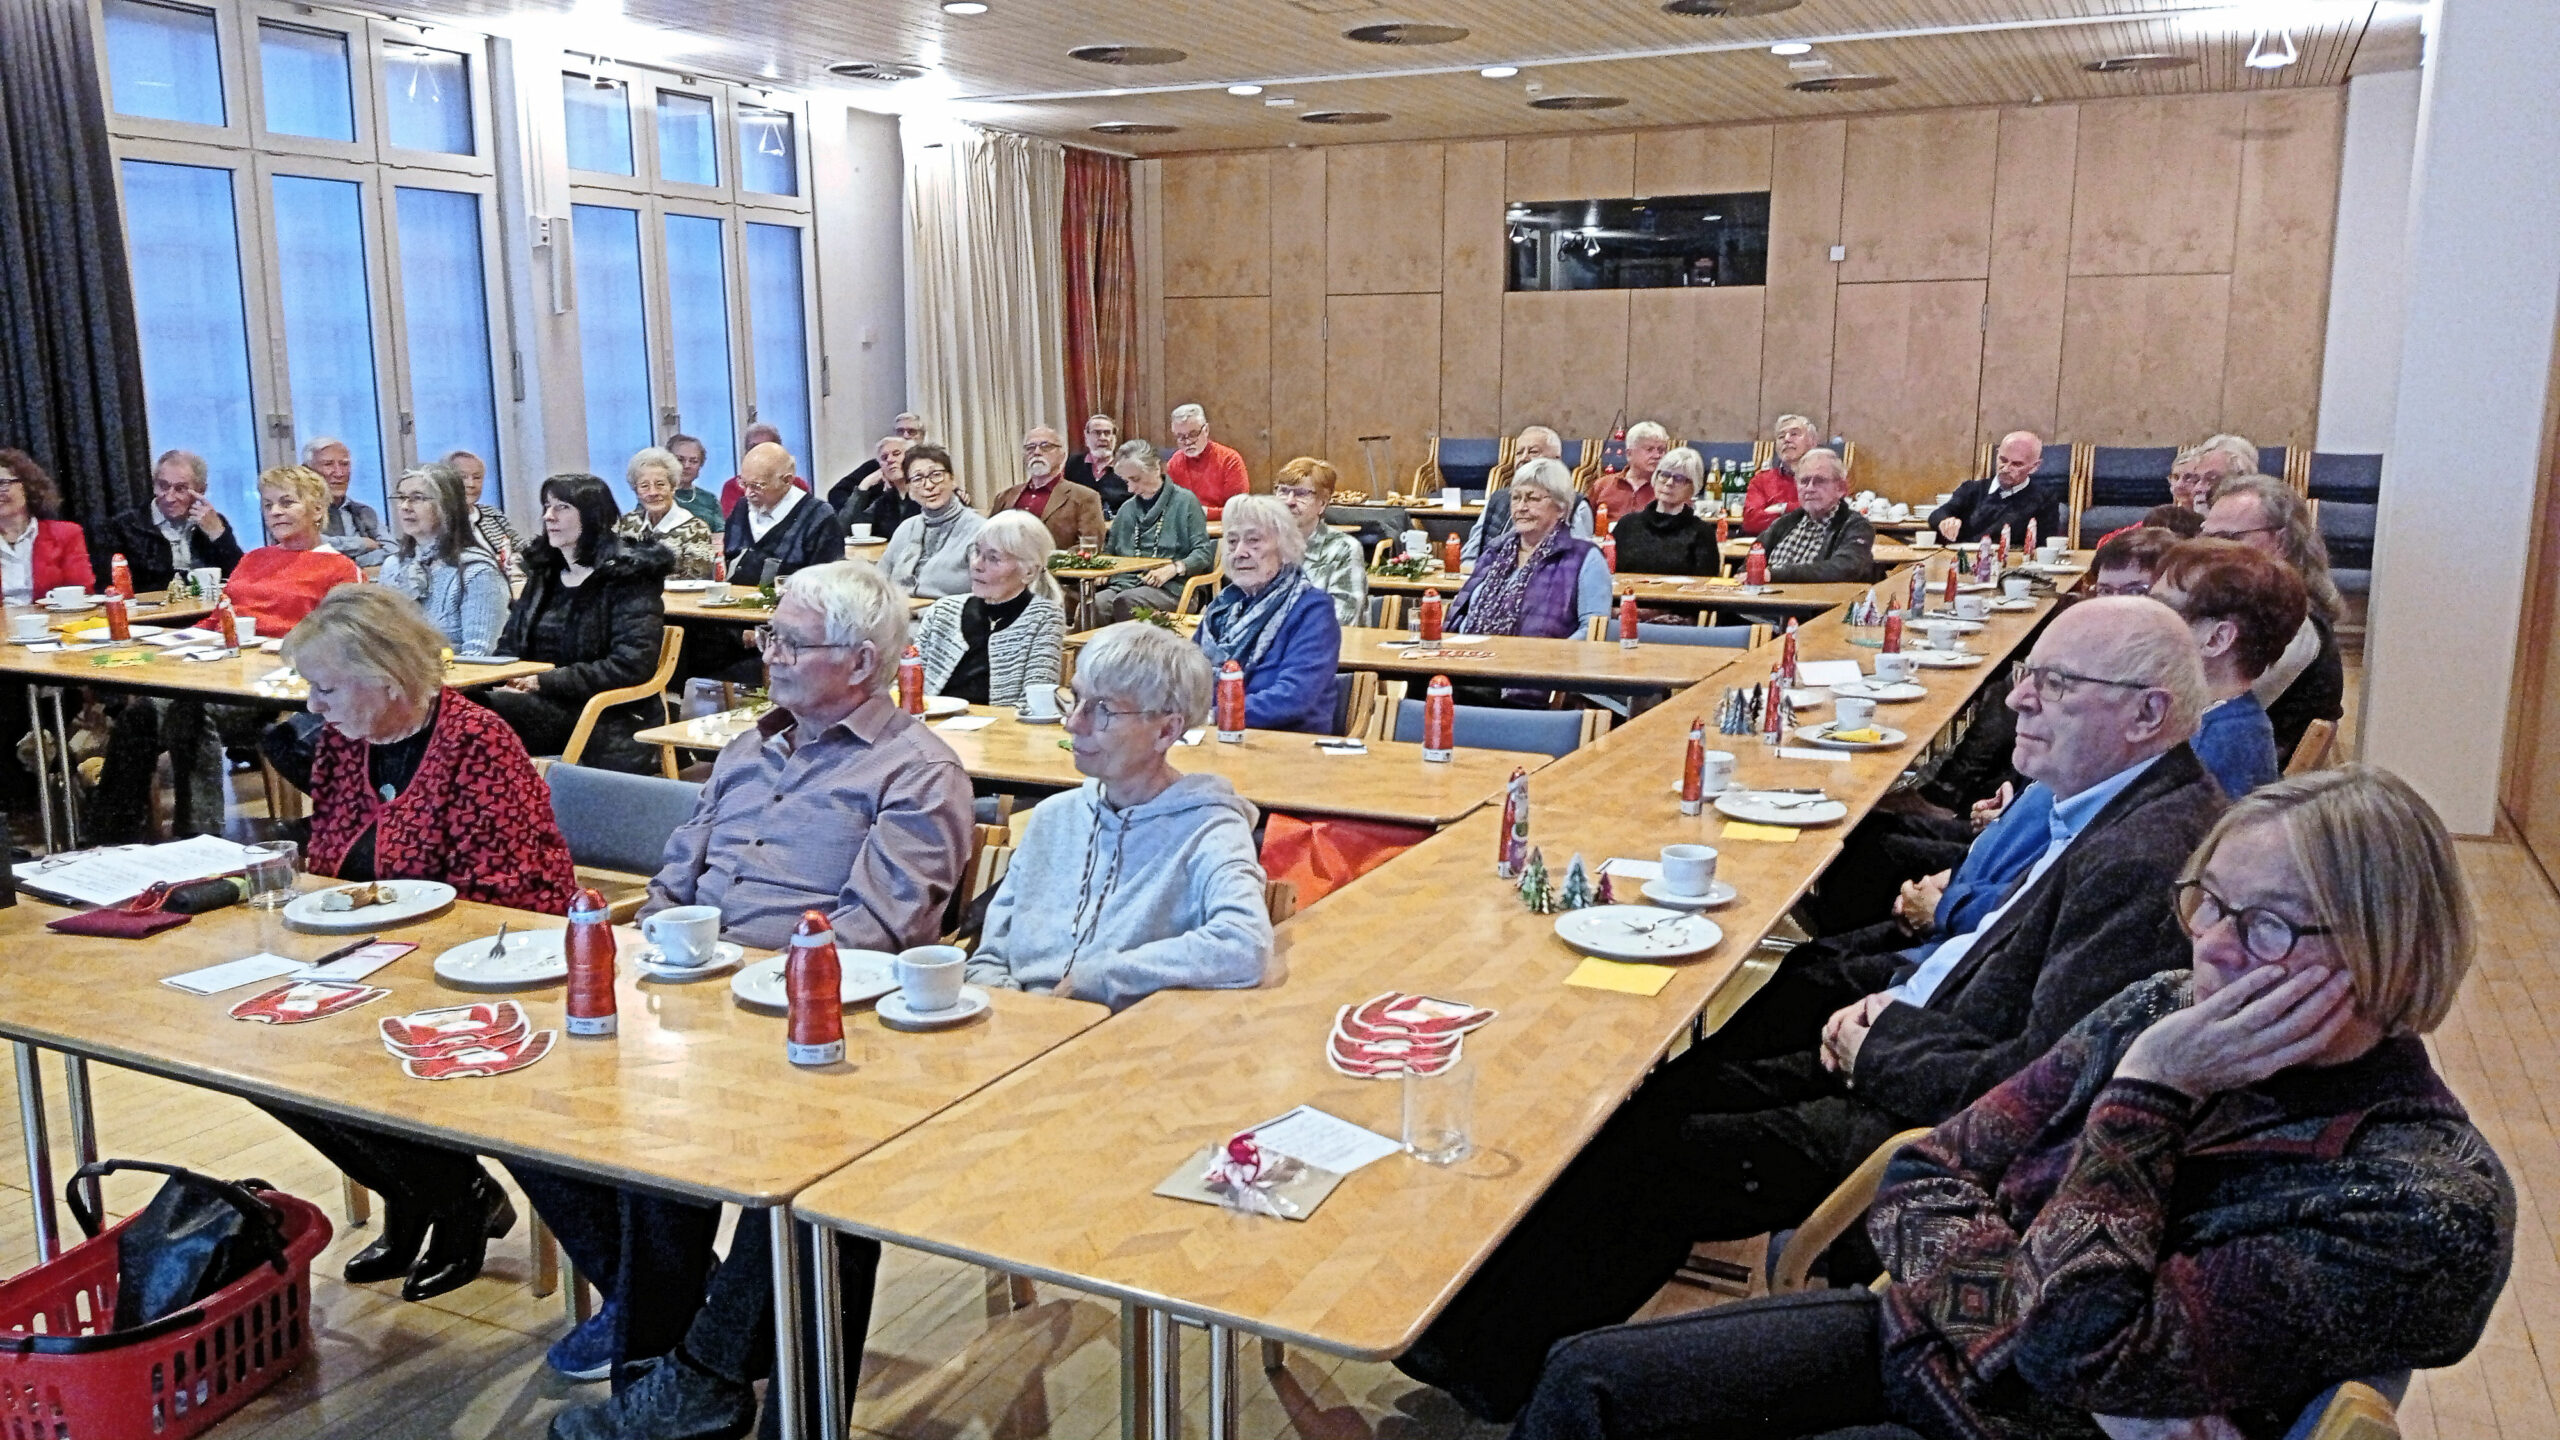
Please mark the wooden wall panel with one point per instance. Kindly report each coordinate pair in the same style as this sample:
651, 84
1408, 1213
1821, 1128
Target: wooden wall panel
1382, 214
1703, 160
1217, 355
2280, 265
1906, 379
1693, 362
1473, 257
1572, 167
1564, 360
2030, 270
1916, 196
1804, 223
1299, 183
1382, 377
2142, 358
2157, 185
1146, 196
1215, 238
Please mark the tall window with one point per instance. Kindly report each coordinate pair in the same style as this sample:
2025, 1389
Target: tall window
309, 216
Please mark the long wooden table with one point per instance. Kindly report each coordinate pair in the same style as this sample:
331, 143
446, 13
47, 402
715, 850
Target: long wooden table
1096, 1123
1665, 592
1275, 769
693, 1098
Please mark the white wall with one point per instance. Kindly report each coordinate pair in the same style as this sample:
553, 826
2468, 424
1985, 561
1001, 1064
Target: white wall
858, 170
2368, 271
2483, 292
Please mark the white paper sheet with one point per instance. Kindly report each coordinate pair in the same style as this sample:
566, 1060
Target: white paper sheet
1624, 868
1800, 752
1827, 672
108, 877
232, 974
967, 722
1328, 1142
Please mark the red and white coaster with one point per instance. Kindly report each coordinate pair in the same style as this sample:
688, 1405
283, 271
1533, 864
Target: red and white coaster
480, 1061
454, 1027
305, 1000
1394, 1032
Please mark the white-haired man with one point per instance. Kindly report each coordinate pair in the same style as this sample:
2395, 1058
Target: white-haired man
1624, 492
1535, 442
353, 529
180, 531
1822, 541
1772, 491
1847, 1044
2224, 457
1212, 473
2006, 499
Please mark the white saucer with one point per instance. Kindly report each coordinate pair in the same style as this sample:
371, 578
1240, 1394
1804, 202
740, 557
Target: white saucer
1821, 735
689, 587
943, 707
1944, 659
894, 1013
1718, 893
2012, 607
1022, 719
533, 958
868, 975
1886, 692
1760, 807
82, 608
725, 957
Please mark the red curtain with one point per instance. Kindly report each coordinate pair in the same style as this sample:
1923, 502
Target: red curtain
1095, 230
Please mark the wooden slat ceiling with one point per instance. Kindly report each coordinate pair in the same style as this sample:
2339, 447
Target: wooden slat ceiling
1010, 67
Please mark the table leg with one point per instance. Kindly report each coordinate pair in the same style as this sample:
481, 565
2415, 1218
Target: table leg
786, 1393
1226, 1406
70, 783
84, 1128
826, 1333
44, 775
1164, 1377
39, 1148
1136, 1365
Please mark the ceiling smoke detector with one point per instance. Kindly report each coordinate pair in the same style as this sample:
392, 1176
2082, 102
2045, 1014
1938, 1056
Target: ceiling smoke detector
1132, 127
882, 70
1834, 84
1405, 33
2127, 64
1346, 117
1729, 9
1578, 102
1127, 55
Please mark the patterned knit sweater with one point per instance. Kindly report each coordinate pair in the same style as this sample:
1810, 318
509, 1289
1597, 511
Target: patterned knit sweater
2075, 1244
1019, 656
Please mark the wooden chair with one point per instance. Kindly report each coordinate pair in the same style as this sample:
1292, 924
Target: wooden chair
1203, 585
1359, 701
1379, 552
1848, 458
2312, 750
1390, 611
670, 645
1596, 723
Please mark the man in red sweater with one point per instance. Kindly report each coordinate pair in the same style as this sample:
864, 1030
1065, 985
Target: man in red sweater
1209, 470
1773, 490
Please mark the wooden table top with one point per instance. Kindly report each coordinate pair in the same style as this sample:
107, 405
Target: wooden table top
242, 678
1670, 592
1542, 663
693, 1097
1275, 769
151, 607
1107, 1116
1119, 565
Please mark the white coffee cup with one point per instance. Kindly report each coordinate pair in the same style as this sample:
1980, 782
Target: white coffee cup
2056, 550
1973, 607
1417, 542
1040, 702
1851, 713
1894, 669
1715, 772
719, 593
1943, 635
686, 936
246, 626
2017, 587
208, 582
29, 626
1688, 869
861, 530
66, 595
929, 977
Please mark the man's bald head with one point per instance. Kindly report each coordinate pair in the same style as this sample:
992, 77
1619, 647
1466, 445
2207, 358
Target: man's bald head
2019, 454
766, 474
2113, 681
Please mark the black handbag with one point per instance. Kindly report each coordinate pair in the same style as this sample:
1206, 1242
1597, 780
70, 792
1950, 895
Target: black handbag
196, 1236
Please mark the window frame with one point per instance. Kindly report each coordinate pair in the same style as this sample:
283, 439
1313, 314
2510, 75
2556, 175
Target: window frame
229, 51
255, 15
474, 50
390, 392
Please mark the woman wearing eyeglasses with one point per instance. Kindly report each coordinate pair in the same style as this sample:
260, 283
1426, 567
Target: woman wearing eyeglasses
2228, 1189
594, 606
1007, 635
438, 562
1273, 621
1142, 878
928, 557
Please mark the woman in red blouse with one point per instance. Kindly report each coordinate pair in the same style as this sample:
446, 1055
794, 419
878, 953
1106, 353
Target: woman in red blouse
278, 583
37, 552
412, 781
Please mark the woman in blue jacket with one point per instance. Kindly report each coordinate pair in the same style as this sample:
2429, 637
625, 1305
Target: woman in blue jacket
1273, 621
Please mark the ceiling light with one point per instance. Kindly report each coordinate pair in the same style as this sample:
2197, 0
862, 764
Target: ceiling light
2263, 56
890, 71
1499, 72
1244, 89
1346, 117
1791, 47
964, 7
1578, 102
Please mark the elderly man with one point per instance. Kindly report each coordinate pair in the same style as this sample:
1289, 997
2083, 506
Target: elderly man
1333, 562
2218, 460
779, 527
1773, 491
1856, 1039
180, 532
864, 480
1535, 442
1071, 511
690, 494
2308, 682
496, 532
2007, 499
1822, 540
1212, 473
1624, 492
1091, 466
353, 529
837, 801
756, 435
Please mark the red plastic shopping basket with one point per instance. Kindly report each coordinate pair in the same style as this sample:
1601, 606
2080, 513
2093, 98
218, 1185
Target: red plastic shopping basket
166, 1380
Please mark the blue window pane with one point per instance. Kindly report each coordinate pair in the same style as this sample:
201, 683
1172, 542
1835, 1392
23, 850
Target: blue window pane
777, 314
698, 313
613, 336
427, 95
766, 164
195, 337
328, 322
164, 62
303, 75
443, 289
687, 151
599, 117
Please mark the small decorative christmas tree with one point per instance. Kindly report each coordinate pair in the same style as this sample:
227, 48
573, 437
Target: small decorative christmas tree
1534, 891
1601, 895
1576, 894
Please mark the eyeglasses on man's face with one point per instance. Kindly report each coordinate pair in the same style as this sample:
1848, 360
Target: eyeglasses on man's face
2053, 684
784, 649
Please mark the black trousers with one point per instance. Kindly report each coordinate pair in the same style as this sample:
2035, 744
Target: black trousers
733, 1336
1740, 1136
1785, 1367
658, 1281
413, 1177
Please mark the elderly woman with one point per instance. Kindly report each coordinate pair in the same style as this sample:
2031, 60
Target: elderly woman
2224, 1191
1159, 521
1667, 537
2242, 608
928, 557
278, 583
439, 563
1333, 561
1624, 492
1273, 622
2307, 682
1539, 579
411, 781
1773, 491
37, 551
653, 474
1142, 878
1004, 638
497, 533
594, 606
2186, 489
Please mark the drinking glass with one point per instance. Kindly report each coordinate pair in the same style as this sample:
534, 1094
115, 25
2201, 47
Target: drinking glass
1439, 1111
271, 870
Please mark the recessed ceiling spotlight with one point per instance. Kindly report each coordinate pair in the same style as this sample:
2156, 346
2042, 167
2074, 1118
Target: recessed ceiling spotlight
1791, 47
964, 7
1244, 89
1279, 101
1400, 33
885, 70
1499, 72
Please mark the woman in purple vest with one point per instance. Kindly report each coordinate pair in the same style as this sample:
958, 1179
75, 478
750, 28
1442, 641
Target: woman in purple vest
1539, 579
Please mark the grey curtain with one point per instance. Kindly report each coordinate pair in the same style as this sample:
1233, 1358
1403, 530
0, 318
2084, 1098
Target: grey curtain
70, 362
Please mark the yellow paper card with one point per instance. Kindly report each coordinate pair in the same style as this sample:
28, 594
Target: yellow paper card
1773, 834
1628, 979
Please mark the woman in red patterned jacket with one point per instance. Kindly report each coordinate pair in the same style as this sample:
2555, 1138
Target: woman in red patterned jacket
412, 781
2226, 1190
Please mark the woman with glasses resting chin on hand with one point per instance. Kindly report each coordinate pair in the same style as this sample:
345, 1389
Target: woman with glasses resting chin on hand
2229, 1188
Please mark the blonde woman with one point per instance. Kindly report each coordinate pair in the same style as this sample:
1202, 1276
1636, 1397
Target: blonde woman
1004, 637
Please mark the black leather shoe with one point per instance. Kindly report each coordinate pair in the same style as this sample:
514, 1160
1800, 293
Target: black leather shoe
392, 1253
461, 1242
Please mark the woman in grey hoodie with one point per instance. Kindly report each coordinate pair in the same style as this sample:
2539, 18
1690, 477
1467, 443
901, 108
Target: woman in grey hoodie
1142, 878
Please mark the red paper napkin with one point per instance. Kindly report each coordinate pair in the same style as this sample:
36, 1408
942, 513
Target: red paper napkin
118, 924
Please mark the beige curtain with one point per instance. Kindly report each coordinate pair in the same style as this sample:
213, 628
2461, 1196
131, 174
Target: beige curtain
986, 330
